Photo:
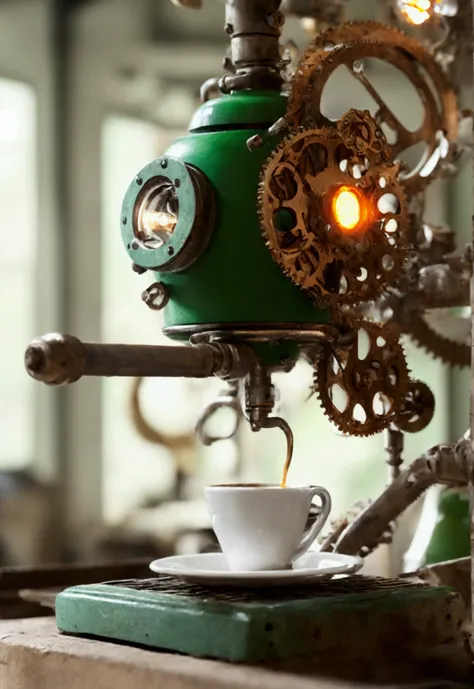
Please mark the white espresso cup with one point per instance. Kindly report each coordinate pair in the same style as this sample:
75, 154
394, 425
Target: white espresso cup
261, 527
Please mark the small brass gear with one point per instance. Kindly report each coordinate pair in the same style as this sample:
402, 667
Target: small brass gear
417, 409
297, 188
348, 44
362, 388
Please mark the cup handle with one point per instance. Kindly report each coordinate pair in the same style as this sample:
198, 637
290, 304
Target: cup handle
310, 537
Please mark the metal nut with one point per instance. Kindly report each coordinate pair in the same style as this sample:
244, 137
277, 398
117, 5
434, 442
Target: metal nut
156, 296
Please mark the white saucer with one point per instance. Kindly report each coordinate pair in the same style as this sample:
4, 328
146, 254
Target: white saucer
212, 569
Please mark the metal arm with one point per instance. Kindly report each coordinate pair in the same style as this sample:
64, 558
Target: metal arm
58, 359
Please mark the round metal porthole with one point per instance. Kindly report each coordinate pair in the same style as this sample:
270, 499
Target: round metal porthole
168, 215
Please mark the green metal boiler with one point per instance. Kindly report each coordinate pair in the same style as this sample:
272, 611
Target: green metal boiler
213, 264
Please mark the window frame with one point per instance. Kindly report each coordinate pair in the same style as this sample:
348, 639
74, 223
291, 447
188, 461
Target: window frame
28, 23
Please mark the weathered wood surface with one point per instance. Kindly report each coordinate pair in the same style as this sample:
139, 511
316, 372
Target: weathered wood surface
33, 655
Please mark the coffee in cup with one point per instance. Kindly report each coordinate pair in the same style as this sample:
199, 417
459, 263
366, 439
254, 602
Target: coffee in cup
261, 527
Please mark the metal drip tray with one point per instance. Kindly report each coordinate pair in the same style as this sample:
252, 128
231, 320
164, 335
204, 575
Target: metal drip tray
355, 615
345, 586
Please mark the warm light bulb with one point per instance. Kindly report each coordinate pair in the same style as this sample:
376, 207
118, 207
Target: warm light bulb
346, 208
156, 221
418, 12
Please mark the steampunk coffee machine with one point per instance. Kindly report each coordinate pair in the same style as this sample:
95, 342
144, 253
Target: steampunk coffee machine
273, 233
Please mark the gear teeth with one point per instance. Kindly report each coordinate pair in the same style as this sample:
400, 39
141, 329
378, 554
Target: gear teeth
322, 385
370, 516
348, 34
312, 286
450, 352
428, 409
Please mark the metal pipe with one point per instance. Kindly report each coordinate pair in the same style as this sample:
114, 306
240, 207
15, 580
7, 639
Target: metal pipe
254, 27
58, 359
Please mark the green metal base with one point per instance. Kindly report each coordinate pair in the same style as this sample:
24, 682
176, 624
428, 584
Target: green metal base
263, 625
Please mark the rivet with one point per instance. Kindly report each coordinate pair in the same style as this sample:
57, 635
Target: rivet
134, 245
138, 180
164, 163
177, 183
170, 251
124, 221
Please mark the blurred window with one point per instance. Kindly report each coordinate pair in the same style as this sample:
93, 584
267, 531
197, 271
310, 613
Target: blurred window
19, 221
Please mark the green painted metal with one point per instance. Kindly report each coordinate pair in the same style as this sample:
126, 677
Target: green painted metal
171, 169
450, 538
242, 628
235, 280
244, 107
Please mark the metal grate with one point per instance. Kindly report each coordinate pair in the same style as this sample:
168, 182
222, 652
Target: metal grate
356, 584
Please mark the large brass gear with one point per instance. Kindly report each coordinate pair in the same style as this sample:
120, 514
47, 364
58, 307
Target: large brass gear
348, 44
297, 185
363, 392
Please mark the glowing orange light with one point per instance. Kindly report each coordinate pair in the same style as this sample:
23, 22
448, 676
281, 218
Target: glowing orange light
347, 209
416, 11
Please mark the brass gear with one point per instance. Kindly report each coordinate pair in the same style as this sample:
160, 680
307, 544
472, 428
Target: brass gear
296, 187
362, 393
417, 409
348, 44
449, 342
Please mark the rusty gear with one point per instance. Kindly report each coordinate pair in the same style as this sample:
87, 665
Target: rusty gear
296, 190
444, 334
348, 44
362, 393
338, 526
362, 135
417, 409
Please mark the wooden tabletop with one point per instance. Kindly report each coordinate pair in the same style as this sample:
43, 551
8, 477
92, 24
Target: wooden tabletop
33, 655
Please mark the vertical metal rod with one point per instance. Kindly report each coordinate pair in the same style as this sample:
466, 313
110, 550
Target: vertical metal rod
394, 443
61, 47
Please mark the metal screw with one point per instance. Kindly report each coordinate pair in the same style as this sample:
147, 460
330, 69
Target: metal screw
170, 251
164, 163
139, 180
276, 19
134, 245
254, 142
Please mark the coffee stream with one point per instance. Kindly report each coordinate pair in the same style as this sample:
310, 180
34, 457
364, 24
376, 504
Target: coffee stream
289, 454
